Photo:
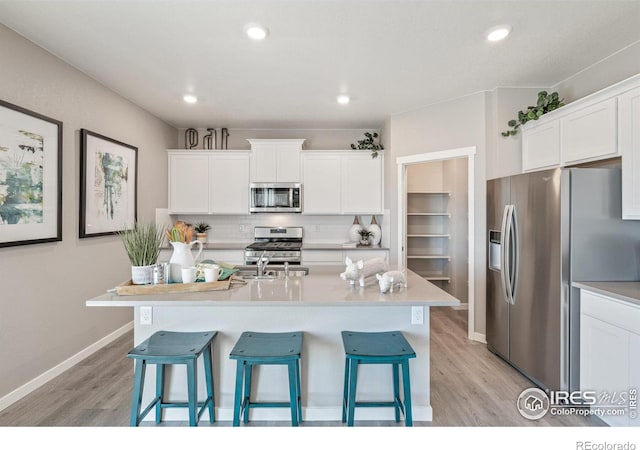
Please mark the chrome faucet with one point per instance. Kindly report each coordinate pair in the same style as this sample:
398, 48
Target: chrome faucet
262, 262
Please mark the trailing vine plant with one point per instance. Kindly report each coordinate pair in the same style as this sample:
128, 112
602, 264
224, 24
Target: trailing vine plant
546, 103
368, 143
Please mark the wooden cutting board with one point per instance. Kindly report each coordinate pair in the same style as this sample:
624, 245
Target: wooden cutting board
128, 288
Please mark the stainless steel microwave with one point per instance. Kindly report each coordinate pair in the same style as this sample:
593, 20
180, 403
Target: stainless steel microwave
275, 197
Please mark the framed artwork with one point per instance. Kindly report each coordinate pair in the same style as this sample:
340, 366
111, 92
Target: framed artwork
108, 185
30, 177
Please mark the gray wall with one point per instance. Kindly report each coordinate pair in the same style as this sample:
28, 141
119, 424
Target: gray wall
43, 320
454, 124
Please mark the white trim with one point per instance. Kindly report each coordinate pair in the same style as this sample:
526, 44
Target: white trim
309, 414
478, 337
402, 163
50, 374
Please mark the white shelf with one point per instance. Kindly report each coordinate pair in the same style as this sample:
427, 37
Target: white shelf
436, 214
448, 236
448, 194
447, 257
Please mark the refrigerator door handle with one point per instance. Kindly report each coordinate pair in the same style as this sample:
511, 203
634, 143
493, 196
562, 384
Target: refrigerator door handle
504, 254
515, 254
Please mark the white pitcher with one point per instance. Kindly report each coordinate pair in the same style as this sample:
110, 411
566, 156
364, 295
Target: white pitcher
182, 257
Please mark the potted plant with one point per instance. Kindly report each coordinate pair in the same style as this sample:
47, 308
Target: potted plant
364, 236
546, 103
142, 243
368, 143
201, 231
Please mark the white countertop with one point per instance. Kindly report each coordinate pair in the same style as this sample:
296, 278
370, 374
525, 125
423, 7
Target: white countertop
627, 291
322, 287
339, 246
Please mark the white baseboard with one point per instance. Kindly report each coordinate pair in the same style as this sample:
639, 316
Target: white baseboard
478, 337
50, 374
310, 414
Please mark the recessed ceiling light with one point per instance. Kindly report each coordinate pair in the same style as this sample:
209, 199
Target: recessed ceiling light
256, 31
343, 99
498, 33
189, 98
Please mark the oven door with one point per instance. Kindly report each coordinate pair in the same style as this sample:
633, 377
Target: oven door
275, 197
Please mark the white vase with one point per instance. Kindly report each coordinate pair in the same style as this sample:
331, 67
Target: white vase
142, 274
182, 257
376, 230
354, 231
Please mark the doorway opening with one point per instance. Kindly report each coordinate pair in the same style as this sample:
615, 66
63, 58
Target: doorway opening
436, 221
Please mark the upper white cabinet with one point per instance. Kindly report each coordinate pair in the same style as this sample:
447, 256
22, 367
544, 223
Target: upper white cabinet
590, 133
585, 130
629, 139
541, 146
229, 178
208, 182
275, 160
362, 189
342, 182
188, 183
321, 194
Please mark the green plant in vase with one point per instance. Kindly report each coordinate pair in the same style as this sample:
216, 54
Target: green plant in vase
365, 235
142, 243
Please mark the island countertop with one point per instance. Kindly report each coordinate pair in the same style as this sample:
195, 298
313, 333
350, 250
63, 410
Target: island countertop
321, 287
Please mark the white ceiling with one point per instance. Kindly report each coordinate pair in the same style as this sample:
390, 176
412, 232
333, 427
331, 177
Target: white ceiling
391, 56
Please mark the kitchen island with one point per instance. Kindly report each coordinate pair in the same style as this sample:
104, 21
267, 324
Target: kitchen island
319, 304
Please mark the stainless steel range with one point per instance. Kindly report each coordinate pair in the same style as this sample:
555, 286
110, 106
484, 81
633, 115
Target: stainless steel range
277, 244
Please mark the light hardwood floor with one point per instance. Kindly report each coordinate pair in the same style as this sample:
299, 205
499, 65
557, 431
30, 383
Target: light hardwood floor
470, 386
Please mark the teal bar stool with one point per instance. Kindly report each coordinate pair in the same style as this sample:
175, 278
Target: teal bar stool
385, 347
253, 349
170, 347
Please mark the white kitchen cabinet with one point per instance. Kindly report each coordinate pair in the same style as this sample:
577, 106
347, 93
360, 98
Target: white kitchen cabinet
338, 256
275, 160
609, 345
342, 182
212, 182
541, 146
629, 141
599, 126
590, 133
188, 183
321, 187
362, 186
229, 177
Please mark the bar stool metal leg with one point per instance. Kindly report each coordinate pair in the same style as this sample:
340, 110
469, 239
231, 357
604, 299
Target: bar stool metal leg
238, 393
192, 385
353, 380
208, 374
293, 394
345, 393
246, 400
408, 419
136, 404
299, 392
395, 367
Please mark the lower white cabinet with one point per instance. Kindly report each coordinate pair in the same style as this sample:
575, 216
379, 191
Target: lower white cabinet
629, 139
610, 351
337, 257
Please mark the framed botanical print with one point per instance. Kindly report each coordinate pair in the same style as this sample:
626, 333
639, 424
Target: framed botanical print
108, 185
30, 177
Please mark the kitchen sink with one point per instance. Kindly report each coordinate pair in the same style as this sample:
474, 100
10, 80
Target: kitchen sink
270, 272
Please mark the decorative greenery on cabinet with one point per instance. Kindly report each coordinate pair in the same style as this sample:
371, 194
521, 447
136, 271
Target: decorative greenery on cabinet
546, 103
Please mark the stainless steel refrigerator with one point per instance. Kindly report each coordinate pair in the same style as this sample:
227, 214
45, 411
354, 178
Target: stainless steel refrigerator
545, 230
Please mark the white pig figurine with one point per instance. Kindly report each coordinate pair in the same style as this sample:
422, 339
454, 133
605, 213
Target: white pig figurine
361, 270
388, 280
